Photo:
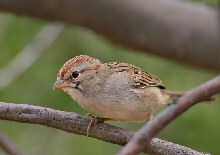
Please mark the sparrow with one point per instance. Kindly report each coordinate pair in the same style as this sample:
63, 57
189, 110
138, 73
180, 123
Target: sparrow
116, 90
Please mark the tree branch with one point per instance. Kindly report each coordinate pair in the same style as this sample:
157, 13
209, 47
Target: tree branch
25, 59
145, 134
8, 145
182, 31
73, 123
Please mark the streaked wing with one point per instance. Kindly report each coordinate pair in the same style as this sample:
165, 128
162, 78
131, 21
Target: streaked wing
142, 79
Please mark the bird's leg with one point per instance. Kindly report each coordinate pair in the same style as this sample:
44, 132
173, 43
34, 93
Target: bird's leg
95, 120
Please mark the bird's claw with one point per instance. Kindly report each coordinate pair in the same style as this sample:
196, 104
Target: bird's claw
94, 121
91, 123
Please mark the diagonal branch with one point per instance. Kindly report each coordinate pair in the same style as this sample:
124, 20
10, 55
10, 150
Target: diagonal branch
73, 123
8, 145
25, 59
183, 31
145, 134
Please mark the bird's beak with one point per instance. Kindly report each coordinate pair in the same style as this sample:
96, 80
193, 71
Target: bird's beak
59, 84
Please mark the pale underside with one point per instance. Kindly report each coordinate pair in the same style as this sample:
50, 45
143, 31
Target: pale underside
121, 98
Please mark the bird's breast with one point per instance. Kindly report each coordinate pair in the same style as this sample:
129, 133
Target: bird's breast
116, 100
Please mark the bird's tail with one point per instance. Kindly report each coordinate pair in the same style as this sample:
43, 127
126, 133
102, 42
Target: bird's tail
170, 95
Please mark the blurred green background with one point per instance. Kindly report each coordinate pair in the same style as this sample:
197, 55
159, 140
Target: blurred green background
198, 128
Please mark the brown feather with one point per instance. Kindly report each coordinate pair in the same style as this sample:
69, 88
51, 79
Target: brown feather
142, 79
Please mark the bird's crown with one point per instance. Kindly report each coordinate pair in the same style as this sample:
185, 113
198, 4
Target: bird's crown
80, 63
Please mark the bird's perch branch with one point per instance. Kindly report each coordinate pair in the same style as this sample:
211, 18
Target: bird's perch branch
73, 123
201, 93
179, 30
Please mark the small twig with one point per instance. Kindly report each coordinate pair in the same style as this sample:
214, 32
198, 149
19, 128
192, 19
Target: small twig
29, 54
8, 145
73, 123
145, 134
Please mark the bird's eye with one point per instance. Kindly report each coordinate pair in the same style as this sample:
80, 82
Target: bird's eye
75, 74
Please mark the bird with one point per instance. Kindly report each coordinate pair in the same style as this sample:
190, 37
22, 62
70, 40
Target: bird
118, 91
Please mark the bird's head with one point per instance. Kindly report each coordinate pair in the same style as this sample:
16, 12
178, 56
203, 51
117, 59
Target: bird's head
78, 73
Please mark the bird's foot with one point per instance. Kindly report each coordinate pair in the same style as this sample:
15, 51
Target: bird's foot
94, 121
